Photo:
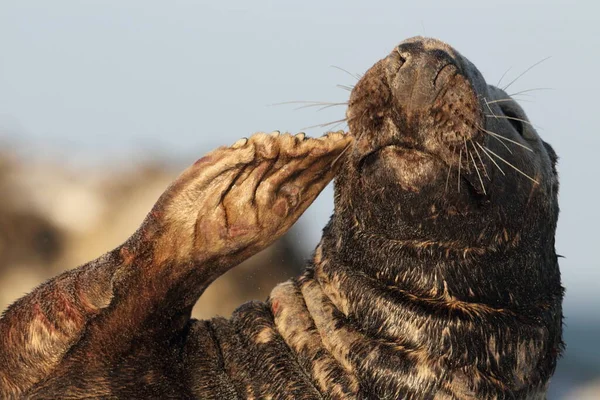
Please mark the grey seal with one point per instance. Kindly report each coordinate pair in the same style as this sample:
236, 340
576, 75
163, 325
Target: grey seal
436, 277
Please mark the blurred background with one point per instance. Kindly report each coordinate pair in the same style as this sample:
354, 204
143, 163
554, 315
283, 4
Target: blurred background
103, 102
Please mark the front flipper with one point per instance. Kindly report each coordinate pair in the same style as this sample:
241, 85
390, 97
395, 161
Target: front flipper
232, 203
76, 331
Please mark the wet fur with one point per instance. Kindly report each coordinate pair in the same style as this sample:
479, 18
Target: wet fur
419, 289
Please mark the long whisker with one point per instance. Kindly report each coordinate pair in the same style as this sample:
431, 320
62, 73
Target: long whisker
490, 157
529, 90
504, 101
341, 154
513, 118
346, 87
477, 170
524, 72
449, 169
507, 117
480, 160
513, 167
497, 137
308, 103
466, 152
488, 106
338, 124
502, 77
355, 76
324, 125
322, 107
331, 105
498, 101
494, 134
459, 163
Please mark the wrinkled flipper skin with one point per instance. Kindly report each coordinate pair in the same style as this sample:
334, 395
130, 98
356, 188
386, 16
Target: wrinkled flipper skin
116, 327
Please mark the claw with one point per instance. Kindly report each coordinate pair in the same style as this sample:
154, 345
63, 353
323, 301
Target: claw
240, 143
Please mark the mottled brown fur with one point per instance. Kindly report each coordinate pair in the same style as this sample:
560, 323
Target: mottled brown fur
419, 289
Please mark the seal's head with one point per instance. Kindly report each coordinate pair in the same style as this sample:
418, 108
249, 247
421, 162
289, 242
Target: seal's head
446, 164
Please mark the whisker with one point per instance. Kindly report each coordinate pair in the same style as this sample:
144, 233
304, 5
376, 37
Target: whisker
502, 77
502, 101
531, 96
489, 108
449, 169
307, 103
321, 108
336, 125
494, 134
341, 154
477, 170
331, 105
513, 118
490, 157
529, 90
355, 76
497, 137
346, 87
524, 72
513, 167
480, 160
466, 151
459, 163
324, 125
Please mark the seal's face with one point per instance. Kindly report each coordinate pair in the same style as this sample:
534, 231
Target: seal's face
439, 151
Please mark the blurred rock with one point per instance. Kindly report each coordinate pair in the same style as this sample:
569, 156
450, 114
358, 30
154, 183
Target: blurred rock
54, 218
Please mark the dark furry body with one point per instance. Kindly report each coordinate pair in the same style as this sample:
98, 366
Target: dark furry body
416, 347
414, 291
399, 345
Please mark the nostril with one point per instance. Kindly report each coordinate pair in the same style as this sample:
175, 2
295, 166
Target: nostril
402, 58
396, 61
443, 73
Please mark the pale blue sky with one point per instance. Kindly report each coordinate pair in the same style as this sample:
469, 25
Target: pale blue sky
105, 79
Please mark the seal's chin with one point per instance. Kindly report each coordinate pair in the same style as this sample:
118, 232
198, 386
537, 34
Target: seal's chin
410, 168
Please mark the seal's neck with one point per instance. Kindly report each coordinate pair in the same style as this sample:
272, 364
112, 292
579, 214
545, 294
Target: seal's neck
435, 314
501, 275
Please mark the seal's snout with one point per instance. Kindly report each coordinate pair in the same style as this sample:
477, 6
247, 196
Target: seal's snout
417, 72
421, 100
